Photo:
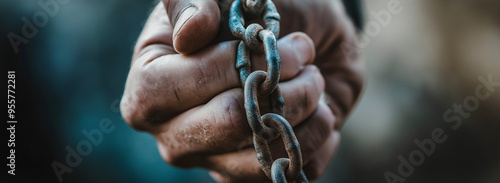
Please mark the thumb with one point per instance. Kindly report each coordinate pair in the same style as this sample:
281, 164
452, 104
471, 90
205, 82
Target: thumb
195, 23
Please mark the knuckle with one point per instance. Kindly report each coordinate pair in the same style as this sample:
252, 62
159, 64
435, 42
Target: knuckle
179, 157
306, 98
317, 75
165, 155
310, 97
202, 76
306, 102
312, 91
236, 119
138, 108
130, 114
318, 78
173, 158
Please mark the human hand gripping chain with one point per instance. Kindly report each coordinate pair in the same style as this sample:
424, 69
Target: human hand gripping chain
255, 38
185, 83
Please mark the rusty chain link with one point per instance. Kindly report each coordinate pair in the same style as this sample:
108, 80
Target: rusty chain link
259, 83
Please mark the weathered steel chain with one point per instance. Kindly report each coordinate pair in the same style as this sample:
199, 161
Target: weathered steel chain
259, 83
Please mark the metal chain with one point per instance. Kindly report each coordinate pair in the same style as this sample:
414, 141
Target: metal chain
259, 83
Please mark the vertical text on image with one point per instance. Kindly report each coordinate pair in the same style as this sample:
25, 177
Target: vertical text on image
11, 122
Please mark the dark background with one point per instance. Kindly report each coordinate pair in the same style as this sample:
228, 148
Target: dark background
71, 76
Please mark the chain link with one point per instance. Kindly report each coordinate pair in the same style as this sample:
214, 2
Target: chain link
259, 83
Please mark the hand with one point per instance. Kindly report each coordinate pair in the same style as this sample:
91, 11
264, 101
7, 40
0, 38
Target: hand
192, 102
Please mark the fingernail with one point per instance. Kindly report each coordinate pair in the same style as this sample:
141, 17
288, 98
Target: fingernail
304, 50
186, 14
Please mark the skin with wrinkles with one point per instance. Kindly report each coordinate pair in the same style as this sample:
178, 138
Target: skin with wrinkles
184, 89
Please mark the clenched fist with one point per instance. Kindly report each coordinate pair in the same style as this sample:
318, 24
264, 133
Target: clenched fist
184, 89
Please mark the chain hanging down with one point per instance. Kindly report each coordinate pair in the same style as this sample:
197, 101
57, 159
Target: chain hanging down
259, 83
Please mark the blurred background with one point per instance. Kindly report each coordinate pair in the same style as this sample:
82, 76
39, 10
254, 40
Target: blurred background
420, 63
